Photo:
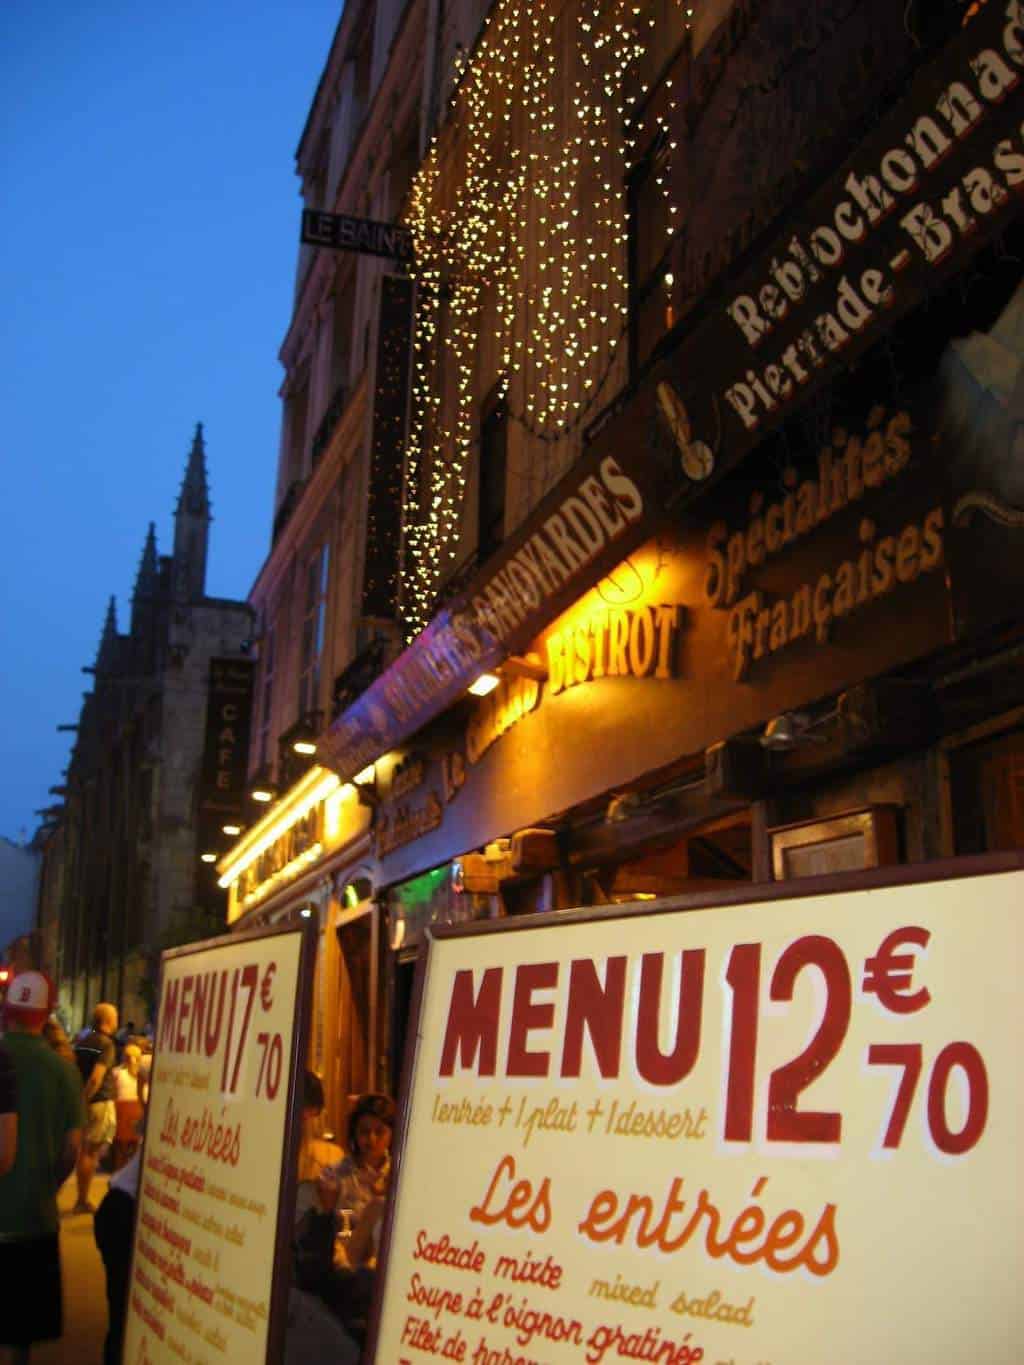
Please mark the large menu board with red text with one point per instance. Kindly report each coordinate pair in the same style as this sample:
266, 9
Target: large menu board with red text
211, 1221
777, 1133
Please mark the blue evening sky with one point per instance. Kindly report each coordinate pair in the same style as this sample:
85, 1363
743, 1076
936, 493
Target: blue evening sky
148, 240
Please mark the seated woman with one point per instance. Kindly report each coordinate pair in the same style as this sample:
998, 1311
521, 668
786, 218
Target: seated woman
363, 1176
349, 1199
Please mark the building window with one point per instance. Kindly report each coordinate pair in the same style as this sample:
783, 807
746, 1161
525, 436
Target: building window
266, 698
363, 60
314, 616
341, 337
988, 795
405, 162
493, 471
296, 418
672, 21
653, 289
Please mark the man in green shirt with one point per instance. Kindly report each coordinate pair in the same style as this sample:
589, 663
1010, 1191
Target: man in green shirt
50, 1118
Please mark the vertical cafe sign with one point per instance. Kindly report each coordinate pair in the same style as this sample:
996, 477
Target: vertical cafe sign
779, 1131
216, 1188
225, 749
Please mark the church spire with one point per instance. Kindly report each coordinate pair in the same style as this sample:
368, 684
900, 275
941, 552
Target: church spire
194, 498
147, 582
146, 578
192, 526
109, 637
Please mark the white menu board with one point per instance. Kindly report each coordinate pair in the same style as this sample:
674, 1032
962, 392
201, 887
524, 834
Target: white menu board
777, 1133
219, 1151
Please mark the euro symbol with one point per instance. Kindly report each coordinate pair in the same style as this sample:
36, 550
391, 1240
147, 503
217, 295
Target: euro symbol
266, 986
888, 974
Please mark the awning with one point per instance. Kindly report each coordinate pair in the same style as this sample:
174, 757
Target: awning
600, 511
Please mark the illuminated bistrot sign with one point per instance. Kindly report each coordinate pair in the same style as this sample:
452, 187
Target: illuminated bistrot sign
585, 645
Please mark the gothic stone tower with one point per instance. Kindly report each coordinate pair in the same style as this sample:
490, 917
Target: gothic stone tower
133, 822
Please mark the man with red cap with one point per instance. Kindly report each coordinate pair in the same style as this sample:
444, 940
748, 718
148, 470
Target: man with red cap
50, 1118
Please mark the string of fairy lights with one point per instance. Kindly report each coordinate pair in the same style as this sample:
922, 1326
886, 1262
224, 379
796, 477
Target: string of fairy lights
519, 218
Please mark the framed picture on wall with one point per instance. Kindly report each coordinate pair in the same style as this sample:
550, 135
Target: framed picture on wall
856, 839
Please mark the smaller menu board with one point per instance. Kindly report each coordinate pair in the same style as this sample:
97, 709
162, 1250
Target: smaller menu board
218, 1166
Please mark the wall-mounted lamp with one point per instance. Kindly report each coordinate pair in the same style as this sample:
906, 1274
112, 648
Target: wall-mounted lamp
365, 783
623, 807
262, 794
300, 739
207, 857
485, 684
793, 729
515, 666
355, 892
232, 829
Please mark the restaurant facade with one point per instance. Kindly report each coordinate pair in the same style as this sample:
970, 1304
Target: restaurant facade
766, 623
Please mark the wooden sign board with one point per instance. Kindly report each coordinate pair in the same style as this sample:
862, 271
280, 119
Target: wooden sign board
216, 1190
783, 1128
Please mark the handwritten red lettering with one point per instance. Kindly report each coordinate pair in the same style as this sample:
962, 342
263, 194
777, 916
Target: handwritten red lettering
514, 1201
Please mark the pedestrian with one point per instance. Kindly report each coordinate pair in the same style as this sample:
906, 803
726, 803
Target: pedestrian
53, 1032
126, 1075
145, 1066
114, 1230
96, 1056
8, 1111
127, 1104
51, 1115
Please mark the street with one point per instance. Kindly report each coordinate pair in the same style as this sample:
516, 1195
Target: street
85, 1295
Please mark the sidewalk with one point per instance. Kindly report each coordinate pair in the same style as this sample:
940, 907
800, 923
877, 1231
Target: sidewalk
85, 1286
